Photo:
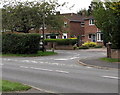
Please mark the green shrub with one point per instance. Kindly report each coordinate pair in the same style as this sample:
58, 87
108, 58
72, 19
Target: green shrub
20, 43
62, 41
98, 46
89, 44
83, 47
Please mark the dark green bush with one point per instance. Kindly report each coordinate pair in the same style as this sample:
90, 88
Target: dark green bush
83, 47
62, 41
20, 43
98, 46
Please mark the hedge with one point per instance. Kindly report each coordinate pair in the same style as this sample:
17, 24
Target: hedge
20, 43
62, 41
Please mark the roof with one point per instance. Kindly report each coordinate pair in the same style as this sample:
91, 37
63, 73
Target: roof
72, 17
89, 17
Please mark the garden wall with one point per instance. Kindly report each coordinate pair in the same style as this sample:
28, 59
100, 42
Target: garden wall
115, 53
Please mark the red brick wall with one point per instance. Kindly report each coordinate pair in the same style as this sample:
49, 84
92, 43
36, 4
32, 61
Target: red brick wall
89, 29
76, 29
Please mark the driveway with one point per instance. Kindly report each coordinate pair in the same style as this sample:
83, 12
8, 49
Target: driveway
61, 73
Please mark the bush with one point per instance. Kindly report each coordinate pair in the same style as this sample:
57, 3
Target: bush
89, 44
62, 41
98, 46
83, 47
20, 43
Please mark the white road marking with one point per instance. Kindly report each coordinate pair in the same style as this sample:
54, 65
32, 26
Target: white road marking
111, 77
74, 57
1, 64
88, 67
34, 61
58, 71
61, 59
62, 71
23, 67
41, 69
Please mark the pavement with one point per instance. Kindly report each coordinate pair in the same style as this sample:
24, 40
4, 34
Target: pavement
97, 63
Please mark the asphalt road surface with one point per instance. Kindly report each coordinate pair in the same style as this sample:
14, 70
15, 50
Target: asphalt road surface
61, 73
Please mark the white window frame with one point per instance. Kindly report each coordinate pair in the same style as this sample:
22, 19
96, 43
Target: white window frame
91, 22
65, 23
99, 37
64, 35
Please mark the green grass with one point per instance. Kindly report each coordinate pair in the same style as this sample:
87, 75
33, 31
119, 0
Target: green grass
8, 86
110, 59
40, 53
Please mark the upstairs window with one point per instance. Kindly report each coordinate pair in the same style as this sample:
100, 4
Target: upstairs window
91, 22
65, 24
82, 24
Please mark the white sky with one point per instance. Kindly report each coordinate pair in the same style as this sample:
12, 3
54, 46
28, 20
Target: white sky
78, 4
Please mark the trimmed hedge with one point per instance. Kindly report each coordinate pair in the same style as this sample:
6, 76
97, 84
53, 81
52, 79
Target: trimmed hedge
62, 41
20, 43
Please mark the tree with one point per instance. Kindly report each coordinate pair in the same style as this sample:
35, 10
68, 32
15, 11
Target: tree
83, 12
107, 16
26, 15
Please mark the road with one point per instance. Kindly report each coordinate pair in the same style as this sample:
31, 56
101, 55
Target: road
61, 73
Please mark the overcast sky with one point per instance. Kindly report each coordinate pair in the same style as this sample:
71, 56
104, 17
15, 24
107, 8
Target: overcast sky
77, 5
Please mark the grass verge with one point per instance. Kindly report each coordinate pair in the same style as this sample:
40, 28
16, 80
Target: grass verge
8, 86
110, 60
40, 53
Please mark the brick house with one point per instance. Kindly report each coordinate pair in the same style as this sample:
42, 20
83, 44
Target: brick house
74, 26
91, 32
82, 26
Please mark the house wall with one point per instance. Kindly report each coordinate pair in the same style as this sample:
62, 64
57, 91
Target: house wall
89, 29
76, 29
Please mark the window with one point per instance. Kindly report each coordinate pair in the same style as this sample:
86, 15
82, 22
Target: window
82, 24
65, 24
99, 36
64, 36
89, 36
91, 22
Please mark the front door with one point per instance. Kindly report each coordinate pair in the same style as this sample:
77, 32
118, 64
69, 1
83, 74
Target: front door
93, 38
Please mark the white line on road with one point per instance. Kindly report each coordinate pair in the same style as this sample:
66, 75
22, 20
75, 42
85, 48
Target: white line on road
61, 59
88, 67
111, 77
23, 67
1, 64
58, 71
62, 71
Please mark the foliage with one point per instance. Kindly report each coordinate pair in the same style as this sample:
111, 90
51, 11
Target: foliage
83, 47
107, 16
20, 43
62, 41
23, 16
98, 46
89, 44
39, 53
110, 59
83, 12
13, 86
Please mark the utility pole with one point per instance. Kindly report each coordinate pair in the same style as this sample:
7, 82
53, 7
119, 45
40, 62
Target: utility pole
43, 27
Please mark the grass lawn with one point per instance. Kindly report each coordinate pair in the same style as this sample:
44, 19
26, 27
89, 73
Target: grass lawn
8, 86
40, 53
110, 59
